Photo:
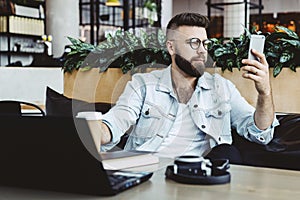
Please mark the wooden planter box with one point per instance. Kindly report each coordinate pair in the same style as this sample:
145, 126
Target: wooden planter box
285, 87
93, 86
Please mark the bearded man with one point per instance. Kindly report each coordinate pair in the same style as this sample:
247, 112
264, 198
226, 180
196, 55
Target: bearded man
183, 110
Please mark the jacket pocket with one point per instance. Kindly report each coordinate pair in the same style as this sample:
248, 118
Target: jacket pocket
219, 112
219, 122
150, 122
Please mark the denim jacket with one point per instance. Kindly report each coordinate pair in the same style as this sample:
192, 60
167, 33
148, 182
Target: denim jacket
149, 104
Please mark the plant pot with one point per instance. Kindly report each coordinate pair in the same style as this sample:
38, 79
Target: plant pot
284, 87
93, 86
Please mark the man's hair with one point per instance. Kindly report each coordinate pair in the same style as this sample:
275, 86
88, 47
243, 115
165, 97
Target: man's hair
187, 19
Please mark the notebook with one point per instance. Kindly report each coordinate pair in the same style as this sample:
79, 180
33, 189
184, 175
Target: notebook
50, 153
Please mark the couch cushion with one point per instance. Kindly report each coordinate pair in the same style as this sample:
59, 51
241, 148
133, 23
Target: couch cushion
59, 105
286, 135
282, 152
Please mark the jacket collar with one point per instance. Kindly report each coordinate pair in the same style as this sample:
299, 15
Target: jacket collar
206, 81
165, 81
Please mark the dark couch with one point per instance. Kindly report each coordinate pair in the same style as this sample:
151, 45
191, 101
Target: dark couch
282, 152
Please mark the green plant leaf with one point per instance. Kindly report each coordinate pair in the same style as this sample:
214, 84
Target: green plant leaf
273, 37
131, 41
104, 45
109, 38
285, 57
219, 52
86, 68
144, 39
295, 43
277, 69
118, 40
161, 38
150, 5
290, 33
74, 41
293, 67
271, 54
72, 53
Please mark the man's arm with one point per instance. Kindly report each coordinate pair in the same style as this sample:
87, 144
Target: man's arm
105, 134
258, 71
264, 113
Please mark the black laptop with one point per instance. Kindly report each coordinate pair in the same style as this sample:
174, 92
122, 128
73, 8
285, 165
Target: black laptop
48, 153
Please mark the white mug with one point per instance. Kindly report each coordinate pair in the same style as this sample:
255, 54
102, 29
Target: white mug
90, 115
94, 120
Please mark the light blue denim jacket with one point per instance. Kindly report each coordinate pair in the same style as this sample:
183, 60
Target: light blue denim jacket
150, 105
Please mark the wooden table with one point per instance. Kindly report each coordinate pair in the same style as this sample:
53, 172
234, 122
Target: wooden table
253, 183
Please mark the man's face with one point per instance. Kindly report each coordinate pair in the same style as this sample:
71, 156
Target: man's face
188, 50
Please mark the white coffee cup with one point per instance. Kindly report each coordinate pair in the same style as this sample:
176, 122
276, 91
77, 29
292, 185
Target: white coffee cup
90, 115
94, 120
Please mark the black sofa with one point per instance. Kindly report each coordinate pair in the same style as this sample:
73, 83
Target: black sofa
282, 152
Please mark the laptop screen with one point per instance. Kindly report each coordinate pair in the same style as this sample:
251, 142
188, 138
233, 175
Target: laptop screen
50, 153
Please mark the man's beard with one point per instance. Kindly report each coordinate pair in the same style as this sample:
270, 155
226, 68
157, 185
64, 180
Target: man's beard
188, 68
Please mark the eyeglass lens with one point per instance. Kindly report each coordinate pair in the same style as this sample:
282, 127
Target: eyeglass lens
196, 42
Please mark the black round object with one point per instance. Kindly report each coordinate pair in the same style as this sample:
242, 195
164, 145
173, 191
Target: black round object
190, 170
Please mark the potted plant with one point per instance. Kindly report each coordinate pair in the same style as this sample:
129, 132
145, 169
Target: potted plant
282, 49
150, 11
124, 50
120, 53
127, 51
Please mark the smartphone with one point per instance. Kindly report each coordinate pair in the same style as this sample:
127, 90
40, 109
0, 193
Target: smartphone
257, 42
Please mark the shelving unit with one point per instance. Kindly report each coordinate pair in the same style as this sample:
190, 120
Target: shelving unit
20, 33
94, 15
216, 27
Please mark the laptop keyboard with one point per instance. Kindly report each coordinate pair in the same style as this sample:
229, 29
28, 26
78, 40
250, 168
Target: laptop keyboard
120, 182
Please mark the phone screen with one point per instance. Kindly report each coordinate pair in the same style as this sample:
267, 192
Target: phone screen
257, 42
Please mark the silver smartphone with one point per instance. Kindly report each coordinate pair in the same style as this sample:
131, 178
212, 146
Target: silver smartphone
257, 42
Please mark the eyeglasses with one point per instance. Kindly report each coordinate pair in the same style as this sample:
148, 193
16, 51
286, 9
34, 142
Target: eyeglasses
196, 42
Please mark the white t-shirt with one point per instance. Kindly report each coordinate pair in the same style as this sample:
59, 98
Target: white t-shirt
185, 138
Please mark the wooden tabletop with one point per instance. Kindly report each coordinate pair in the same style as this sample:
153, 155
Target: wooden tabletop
253, 183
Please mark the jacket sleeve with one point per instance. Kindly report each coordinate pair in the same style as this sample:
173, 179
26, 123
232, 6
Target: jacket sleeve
126, 111
242, 119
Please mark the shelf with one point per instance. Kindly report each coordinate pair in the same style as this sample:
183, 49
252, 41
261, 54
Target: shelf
20, 35
20, 53
95, 15
22, 28
23, 16
29, 3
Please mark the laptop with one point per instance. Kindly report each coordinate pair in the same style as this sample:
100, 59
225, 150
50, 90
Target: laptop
48, 153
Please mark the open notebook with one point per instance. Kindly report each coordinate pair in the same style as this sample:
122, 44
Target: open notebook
48, 153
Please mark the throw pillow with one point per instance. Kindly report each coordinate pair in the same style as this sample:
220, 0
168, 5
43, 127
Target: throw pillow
59, 105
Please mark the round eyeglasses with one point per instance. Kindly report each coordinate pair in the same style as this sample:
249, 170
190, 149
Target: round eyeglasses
196, 42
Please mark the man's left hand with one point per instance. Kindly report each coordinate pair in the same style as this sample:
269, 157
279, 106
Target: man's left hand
258, 71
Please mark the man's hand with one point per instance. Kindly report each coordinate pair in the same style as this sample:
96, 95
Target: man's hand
258, 71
